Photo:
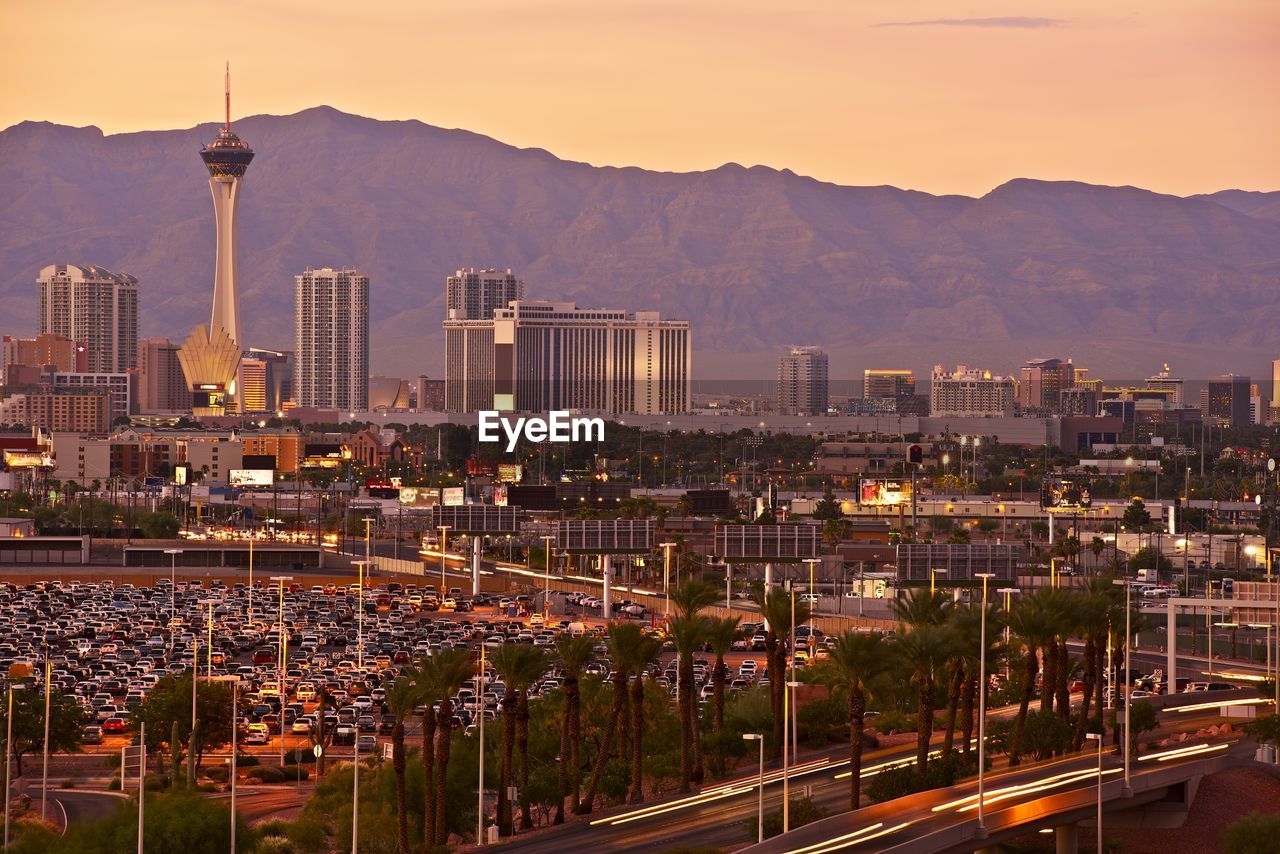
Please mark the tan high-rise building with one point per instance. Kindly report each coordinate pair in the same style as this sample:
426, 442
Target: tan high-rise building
63, 410
802, 382
95, 308
162, 387
45, 350
888, 383
253, 385
474, 294
969, 393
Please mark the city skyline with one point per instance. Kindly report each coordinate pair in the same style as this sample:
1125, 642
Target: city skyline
1171, 99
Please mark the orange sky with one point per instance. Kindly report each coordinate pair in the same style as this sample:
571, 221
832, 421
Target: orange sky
1178, 96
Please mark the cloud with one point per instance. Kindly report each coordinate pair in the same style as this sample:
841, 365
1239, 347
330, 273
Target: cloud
1012, 22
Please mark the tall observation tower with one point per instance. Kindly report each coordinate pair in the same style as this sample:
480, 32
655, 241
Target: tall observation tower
227, 159
210, 357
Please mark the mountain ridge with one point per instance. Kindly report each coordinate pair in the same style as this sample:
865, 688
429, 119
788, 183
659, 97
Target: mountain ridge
756, 257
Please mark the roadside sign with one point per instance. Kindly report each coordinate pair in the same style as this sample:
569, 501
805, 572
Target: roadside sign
318, 750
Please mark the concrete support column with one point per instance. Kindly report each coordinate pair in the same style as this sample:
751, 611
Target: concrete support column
1066, 839
475, 565
768, 585
606, 568
1171, 641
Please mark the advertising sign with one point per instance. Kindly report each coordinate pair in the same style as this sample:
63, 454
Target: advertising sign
1065, 494
510, 472
27, 460
250, 477
452, 496
881, 492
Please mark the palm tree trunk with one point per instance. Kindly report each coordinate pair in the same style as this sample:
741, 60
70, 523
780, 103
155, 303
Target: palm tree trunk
573, 700
776, 664
505, 766
397, 765
1049, 672
637, 740
968, 696
1064, 680
924, 729
522, 744
428, 776
562, 777
857, 726
1099, 667
1028, 688
606, 745
684, 676
444, 739
718, 677
953, 705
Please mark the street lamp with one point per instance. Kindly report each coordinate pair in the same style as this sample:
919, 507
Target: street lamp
759, 737
235, 726
360, 565
546, 573
1008, 593
666, 577
173, 592
480, 726
933, 578
8, 752
811, 561
982, 706
1128, 671
1097, 736
284, 650
444, 537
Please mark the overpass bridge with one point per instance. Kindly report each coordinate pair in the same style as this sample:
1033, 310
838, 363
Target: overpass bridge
1061, 797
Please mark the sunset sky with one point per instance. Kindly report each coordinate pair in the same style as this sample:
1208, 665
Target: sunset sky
1178, 96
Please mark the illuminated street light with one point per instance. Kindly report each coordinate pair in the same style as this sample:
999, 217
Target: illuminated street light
1097, 736
982, 705
758, 737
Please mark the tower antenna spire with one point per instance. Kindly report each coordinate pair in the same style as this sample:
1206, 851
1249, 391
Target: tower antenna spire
227, 125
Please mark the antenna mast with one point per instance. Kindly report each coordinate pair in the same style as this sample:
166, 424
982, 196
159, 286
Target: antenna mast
227, 125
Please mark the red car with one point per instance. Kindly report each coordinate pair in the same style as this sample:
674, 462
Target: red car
113, 726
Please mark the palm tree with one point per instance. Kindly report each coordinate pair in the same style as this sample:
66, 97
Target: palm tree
856, 661
423, 676
574, 653
721, 633
402, 698
643, 653
454, 668
688, 633
964, 630
518, 666
623, 638
922, 608
776, 606
533, 664
924, 650
1033, 625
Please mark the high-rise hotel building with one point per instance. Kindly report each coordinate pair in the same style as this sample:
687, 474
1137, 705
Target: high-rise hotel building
95, 308
475, 294
539, 356
331, 360
802, 382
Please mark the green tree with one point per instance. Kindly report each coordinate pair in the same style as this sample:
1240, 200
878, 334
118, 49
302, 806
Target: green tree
777, 606
644, 652
1136, 516
1256, 833
518, 666
166, 711
721, 633
173, 823
857, 660
158, 525
66, 722
623, 639
574, 653
828, 508
401, 700
452, 668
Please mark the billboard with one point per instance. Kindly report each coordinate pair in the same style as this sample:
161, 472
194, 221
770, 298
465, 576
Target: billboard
605, 536
1065, 494
510, 472
782, 542
250, 477
453, 496
962, 562
27, 460
477, 519
882, 492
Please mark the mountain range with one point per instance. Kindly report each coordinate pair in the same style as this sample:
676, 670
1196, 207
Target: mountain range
1119, 278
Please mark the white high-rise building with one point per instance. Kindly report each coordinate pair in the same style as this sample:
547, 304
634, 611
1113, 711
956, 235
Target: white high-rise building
95, 308
474, 294
540, 356
802, 382
331, 360
969, 393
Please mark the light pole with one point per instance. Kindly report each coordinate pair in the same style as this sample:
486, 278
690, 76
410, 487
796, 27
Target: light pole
284, 650
1128, 670
48, 698
1208, 619
235, 726
360, 615
666, 577
480, 728
173, 592
546, 573
982, 707
1097, 736
933, 578
8, 752
251, 538
1008, 593
758, 737
444, 547
811, 561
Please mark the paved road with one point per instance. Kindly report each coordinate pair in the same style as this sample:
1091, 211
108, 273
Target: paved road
81, 806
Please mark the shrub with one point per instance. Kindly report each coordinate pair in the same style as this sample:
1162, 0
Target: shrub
906, 780
266, 774
218, 773
893, 720
1256, 833
247, 760
803, 811
68, 784
114, 785
296, 773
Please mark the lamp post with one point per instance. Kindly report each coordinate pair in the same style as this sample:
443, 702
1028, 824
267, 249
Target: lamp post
1008, 594
982, 706
666, 577
284, 650
811, 561
444, 543
48, 697
360, 565
8, 752
1128, 670
251, 538
173, 593
480, 727
1208, 619
1097, 736
546, 573
235, 726
933, 578
758, 737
